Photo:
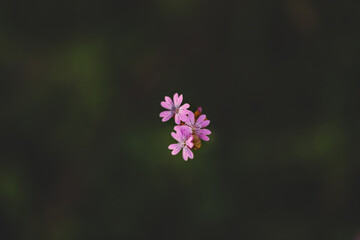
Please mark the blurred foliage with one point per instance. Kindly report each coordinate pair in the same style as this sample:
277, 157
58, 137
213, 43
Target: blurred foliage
84, 153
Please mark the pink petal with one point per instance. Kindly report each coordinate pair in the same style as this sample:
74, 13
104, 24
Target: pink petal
203, 131
166, 115
176, 147
177, 118
204, 124
187, 153
191, 154
176, 151
169, 101
173, 146
179, 101
200, 119
177, 127
185, 106
165, 105
191, 118
202, 134
176, 136
189, 142
184, 132
203, 137
183, 115
175, 98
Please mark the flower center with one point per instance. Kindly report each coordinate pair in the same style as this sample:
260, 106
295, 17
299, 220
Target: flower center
175, 110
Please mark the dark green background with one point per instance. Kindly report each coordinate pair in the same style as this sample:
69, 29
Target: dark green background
84, 153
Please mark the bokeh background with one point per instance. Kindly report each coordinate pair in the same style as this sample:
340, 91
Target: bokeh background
83, 150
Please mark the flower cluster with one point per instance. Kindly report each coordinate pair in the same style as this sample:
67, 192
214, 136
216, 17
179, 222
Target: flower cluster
190, 128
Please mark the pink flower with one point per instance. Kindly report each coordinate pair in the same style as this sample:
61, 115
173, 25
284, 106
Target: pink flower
197, 127
184, 138
174, 108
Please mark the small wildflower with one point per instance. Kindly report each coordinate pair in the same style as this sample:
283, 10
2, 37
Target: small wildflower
174, 108
184, 138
